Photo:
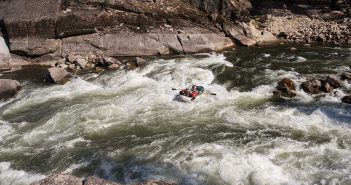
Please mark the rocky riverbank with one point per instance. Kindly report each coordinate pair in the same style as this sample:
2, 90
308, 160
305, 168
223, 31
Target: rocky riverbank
62, 179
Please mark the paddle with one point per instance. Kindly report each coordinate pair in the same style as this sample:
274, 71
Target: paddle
213, 94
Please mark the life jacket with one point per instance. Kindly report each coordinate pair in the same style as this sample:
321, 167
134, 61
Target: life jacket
194, 94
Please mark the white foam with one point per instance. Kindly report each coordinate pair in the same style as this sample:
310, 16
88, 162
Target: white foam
6, 129
58, 92
232, 167
73, 167
252, 169
300, 59
266, 55
10, 176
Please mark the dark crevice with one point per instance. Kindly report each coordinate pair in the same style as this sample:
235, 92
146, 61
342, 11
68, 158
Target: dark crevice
181, 44
24, 54
75, 34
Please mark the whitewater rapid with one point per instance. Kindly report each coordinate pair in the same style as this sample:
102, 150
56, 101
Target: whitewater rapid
126, 126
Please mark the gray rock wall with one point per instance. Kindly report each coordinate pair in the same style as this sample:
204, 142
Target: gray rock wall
50, 29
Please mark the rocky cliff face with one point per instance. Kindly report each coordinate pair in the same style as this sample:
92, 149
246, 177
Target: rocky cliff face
48, 29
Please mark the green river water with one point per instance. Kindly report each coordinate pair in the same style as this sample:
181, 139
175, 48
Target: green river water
126, 127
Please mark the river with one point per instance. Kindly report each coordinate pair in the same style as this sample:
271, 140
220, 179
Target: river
126, 127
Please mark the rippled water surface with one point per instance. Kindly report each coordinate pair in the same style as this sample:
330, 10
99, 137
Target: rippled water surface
126, 127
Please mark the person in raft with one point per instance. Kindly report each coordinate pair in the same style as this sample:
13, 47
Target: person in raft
193, 91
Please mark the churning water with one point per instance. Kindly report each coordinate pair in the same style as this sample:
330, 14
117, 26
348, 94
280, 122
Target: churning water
126, 127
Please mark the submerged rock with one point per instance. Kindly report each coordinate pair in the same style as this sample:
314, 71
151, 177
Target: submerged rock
346, 99
9, 88
57, 75
59, 179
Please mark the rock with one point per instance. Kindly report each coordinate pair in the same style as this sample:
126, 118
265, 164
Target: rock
81, 62
334, 81
33, 46
286, 85
130, 66
111, 60
156, 182
285, 88
101, 62
144, 44
57, 75
113, 66
346, 99
226, 8
164, 51
346, 76
261, 36
313, 86
326, 87
237, 33
204, 43
140, 61
128, 28
59, 179
98, 70
98, 181
321, 38
71, 58
64, 66
9, 88
4, 54
72, 67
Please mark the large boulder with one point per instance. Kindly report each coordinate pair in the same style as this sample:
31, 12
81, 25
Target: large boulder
201, 43
285, 85
59, 179
9, 88
312, 86
57, 75
240, 34
326, 87
285, 88
334, 81
261, 36
144, 44
4, 54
